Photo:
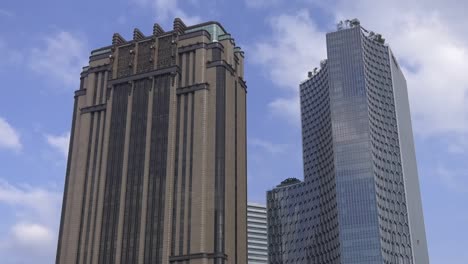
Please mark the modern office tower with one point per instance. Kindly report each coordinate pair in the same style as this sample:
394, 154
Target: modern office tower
157, 163
257, 245
360, 200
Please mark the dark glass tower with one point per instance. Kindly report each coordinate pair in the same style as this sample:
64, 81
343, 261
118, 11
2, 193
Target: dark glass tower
157, 164
360, 201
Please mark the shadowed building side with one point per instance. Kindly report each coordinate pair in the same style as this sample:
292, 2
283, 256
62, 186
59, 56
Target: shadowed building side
157, 163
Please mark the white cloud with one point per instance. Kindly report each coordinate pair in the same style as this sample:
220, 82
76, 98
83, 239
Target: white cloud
169, 9
59, 143
458, 145
455, 180
9, 137
30, 202
286, 108
427, 38
33, 235
60, 58
34, 215
295, 47
430, 39
268, 146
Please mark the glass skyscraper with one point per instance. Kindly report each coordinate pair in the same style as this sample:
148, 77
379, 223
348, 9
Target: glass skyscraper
360, 201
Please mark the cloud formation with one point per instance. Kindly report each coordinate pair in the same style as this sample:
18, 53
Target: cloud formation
38, 203
268, 146
431, 43
287, 108
9, 137
35, 213
295, 46
59, 142
453, 179
60, 57
429, 39
169, 9
459, 145
32, 235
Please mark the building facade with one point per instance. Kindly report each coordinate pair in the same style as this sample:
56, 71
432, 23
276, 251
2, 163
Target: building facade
360, 200
156, 170
257, 245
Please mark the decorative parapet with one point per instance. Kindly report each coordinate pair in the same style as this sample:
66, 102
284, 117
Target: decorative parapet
157, 29
179, 26
117, 39
137, 35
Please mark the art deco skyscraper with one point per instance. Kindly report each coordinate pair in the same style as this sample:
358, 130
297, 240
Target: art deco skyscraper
157, 163
360, 201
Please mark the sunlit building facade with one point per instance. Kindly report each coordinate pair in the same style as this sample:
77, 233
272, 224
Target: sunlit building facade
157, 170
257, 246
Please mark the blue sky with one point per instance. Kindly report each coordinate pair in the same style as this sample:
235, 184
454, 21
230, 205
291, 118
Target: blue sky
45, 43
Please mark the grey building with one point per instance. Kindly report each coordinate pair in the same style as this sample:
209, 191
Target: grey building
156, 170
257, 245
360, 200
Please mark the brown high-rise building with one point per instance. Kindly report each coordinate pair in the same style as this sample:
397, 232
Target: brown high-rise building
156, 170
